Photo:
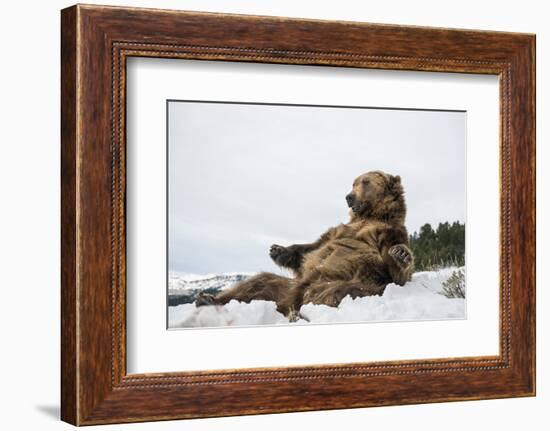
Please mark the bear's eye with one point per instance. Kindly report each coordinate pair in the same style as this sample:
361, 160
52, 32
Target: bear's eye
365, 182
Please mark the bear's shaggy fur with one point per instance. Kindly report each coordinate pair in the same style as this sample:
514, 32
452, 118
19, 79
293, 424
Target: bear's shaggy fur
358, 258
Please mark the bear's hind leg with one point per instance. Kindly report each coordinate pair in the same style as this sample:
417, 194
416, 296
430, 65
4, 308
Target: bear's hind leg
264, 286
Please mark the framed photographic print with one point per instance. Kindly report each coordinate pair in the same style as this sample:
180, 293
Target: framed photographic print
324, 214
224, 227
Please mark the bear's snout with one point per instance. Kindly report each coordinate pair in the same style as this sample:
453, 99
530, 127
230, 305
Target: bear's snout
350, 199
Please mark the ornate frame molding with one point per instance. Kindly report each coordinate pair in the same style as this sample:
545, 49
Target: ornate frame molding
96, 41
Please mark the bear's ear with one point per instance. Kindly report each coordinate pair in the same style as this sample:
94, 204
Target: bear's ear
394, 181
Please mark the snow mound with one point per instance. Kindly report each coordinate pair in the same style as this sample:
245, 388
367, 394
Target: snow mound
419, 299
234, 313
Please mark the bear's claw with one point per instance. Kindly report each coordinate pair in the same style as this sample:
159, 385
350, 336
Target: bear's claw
401, 255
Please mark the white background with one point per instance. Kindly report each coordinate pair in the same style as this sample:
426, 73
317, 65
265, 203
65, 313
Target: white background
153, 349
29, 225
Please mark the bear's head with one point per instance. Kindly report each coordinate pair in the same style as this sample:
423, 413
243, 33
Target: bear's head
377, 195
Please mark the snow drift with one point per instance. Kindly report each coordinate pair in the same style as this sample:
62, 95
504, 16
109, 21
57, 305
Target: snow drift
420, 299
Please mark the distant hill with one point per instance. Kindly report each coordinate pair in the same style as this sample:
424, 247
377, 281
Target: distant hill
184, 288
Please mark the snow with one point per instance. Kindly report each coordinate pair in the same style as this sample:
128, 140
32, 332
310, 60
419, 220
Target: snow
234, 313
419, 299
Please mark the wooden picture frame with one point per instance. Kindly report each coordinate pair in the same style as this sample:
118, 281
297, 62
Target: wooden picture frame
95, 43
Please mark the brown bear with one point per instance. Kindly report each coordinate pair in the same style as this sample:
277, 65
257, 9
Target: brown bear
358, 258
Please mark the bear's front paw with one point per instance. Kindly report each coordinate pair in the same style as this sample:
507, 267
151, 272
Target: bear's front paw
401, 255
278, 253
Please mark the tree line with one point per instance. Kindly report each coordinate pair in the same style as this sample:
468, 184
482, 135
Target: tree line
441, 247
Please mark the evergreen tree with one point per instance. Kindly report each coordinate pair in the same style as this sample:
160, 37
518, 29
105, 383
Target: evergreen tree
441, 247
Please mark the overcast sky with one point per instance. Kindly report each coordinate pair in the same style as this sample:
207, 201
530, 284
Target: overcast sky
242, 177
